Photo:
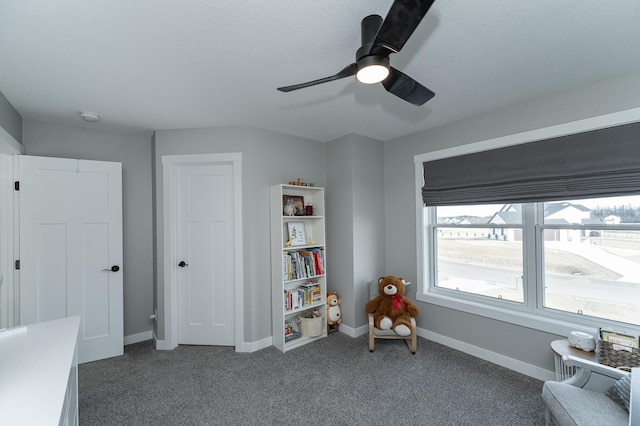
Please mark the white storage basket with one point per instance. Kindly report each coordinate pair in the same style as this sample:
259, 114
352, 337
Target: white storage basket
310, 327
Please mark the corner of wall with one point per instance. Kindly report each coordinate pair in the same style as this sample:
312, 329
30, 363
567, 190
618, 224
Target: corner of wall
10, 119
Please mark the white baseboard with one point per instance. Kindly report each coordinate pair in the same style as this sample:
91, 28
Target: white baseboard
353, 332
161, 345
364, 329
487, 355
138, 337
255, 346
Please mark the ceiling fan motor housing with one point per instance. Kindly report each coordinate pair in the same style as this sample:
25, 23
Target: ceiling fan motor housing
373, 60
369, 28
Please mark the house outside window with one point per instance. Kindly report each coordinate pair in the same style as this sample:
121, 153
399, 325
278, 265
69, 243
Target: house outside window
573, 261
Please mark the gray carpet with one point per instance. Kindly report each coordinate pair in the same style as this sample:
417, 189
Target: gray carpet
334, 381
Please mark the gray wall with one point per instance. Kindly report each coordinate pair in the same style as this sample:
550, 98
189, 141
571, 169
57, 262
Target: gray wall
134, 152
339, 198
587, 101
10, 119
355, 222
268, 158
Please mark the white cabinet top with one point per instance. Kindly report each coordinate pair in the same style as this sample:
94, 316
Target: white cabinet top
35, 361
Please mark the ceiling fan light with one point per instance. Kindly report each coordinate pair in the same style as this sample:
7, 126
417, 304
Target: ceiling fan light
372, 69
372, 74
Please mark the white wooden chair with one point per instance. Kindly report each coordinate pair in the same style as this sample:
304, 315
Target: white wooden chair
376, 333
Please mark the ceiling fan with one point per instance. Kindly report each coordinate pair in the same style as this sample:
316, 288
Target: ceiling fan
379, 40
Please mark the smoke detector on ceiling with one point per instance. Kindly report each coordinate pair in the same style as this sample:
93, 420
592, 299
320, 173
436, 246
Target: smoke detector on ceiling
90, 117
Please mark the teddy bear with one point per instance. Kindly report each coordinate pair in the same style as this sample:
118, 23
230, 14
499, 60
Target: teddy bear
391, 309
334, 316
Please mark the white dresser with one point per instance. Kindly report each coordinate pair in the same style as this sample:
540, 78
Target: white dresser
39, 374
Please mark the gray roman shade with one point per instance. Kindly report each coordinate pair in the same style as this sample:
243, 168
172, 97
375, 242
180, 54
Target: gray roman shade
604, 162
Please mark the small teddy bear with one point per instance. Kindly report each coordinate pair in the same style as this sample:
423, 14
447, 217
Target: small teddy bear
334, 316
391, 309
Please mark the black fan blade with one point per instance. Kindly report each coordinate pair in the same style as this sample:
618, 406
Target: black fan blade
345, 72
406, 88
401, 21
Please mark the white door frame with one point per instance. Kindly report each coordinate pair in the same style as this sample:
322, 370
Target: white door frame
170, 165
9, 147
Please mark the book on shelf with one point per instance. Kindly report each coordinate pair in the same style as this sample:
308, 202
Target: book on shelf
309, 262
317, 295
304, 295
302, 264
285, 268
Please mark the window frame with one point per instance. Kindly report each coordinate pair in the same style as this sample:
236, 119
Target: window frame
531, 313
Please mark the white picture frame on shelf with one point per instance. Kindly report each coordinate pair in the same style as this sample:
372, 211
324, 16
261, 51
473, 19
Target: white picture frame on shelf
297, 234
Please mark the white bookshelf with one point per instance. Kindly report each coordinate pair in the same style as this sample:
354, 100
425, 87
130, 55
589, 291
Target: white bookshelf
281, 282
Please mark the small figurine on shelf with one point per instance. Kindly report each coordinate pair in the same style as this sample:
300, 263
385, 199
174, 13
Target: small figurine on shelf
301, 182
288, 330
290, 333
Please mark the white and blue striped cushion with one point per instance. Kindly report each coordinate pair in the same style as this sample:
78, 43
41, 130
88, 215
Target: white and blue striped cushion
620, 392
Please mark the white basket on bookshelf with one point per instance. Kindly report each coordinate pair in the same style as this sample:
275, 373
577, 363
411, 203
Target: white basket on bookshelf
310, 326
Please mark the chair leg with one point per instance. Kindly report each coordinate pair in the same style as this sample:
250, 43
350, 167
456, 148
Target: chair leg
371, 339
413, 347
413, 344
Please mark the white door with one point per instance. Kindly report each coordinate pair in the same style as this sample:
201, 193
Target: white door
71, 249
205, 261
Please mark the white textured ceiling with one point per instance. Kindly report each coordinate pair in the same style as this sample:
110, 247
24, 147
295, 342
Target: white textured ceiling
146, 65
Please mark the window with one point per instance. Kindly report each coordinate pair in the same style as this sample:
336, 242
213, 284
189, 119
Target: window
479, 250
590, 253
576, 261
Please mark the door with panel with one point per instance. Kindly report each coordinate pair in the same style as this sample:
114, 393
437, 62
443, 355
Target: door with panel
71, 249
205, 224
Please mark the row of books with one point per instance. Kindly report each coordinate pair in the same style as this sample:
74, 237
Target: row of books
305, 295
301, 264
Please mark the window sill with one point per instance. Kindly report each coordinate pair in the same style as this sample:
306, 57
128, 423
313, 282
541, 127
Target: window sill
523, 319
